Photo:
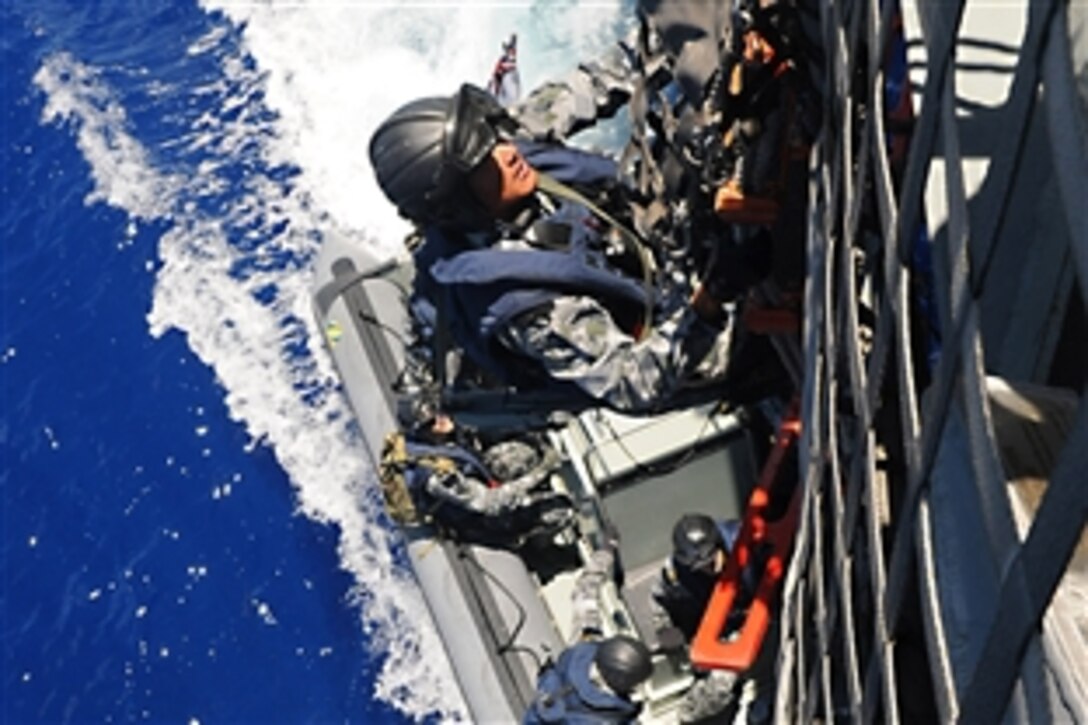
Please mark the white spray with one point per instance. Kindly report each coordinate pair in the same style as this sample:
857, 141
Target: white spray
331, 72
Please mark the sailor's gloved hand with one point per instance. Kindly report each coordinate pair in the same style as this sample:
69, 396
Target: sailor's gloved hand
670, 639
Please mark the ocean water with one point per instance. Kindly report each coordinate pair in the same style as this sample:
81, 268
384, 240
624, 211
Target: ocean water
189, 533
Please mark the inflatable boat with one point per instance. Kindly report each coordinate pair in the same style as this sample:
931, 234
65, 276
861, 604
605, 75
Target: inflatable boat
939, 564
502, 615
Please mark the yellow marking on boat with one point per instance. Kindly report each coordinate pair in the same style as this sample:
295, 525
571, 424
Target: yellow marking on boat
333, 332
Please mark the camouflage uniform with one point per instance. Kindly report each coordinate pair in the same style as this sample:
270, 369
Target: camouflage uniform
586, 597
682, 42
594, 90
575, 339
524, 471
710, 695
509, 460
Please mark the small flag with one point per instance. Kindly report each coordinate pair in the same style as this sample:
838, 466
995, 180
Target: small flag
505, 84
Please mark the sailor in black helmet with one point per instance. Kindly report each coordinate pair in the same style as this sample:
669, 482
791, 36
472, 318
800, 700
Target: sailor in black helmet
529, 269
594, 678
592, 683
701, 547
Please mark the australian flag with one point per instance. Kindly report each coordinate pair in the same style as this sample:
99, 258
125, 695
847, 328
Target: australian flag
505, 84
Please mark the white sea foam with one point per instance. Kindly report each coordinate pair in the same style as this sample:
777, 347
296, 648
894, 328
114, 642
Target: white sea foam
122, 175
338, 69
331, 72
244, 341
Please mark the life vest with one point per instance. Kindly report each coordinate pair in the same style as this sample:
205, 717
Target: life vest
566, 694
569, 166
478, 291
456, 455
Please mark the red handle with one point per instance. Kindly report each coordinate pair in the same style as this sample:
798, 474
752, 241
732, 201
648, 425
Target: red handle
708, 650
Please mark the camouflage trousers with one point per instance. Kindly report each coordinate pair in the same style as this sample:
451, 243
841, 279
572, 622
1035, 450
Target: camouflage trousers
709, 696
586, 597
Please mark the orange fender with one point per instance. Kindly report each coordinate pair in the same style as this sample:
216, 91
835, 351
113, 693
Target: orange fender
708, 649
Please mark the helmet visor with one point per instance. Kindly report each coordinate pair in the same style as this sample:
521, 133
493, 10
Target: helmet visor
698, 559
472, 131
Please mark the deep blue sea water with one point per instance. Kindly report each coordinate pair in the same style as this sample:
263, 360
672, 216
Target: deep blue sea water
135, 587
188, 531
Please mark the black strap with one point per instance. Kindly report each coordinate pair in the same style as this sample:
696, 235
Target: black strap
631, 241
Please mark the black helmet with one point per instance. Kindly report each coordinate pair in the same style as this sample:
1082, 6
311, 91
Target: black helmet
623, 662
406, 153
695, 541
423, 151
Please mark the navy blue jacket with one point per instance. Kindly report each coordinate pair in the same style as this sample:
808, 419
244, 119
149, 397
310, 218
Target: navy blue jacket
566, 694
481, 290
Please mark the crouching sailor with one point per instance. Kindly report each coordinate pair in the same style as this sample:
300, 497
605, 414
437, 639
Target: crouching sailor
593, 679
499, 497
701, 547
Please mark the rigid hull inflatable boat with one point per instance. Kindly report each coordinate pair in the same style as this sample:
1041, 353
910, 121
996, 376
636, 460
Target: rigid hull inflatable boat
501, 615
938, 571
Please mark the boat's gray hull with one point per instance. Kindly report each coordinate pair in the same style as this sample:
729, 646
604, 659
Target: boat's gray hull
483, 602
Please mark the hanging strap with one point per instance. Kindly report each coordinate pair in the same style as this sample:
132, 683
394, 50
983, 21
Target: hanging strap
631, 242
440, 341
